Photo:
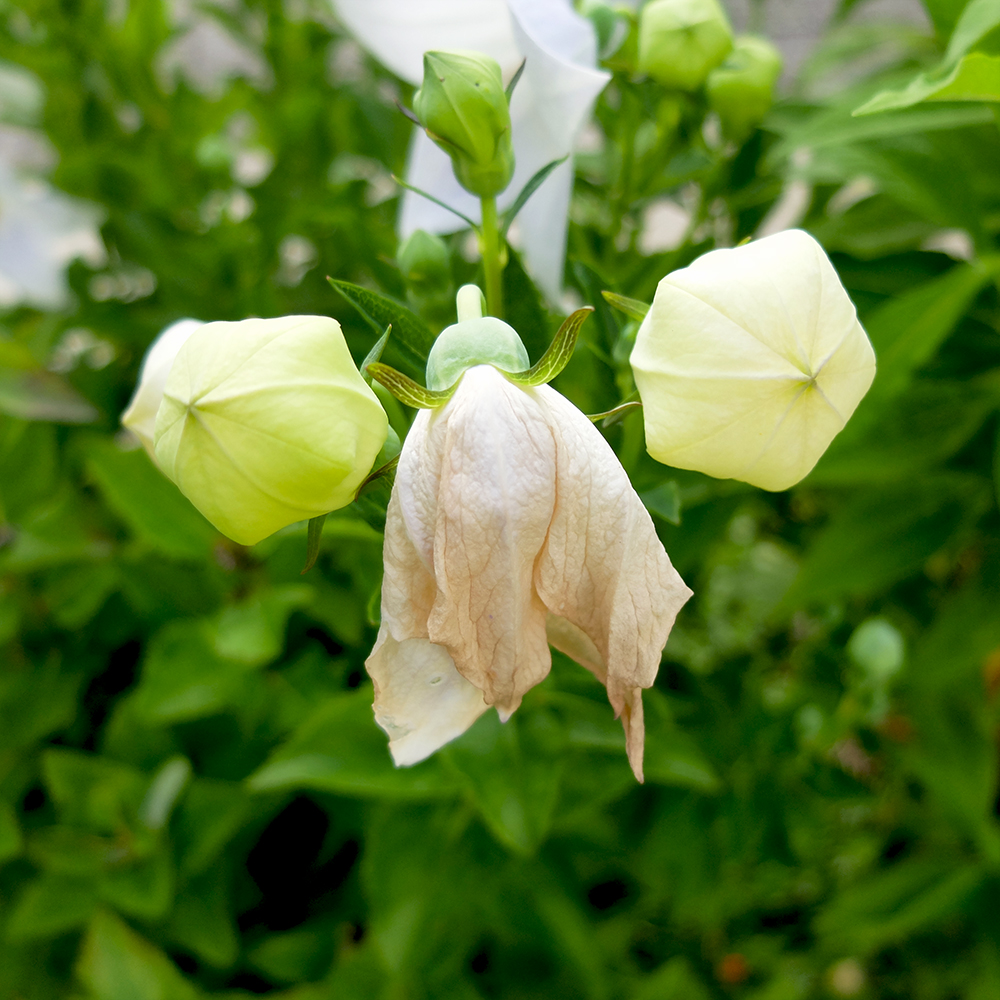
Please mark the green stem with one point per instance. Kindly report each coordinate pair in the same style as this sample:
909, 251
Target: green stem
492, 267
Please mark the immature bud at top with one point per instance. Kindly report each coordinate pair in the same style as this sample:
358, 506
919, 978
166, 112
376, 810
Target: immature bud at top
266, 422
741, 90
682, 41
463, 107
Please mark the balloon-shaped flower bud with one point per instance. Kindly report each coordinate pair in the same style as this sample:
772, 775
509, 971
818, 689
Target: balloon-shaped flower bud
266, 422
140, 417
750, 361
682, 41
425, 264
741, 90
463, 107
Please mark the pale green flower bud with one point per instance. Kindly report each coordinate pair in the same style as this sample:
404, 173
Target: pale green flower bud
266, 422
741, 90
463, 107
682, 41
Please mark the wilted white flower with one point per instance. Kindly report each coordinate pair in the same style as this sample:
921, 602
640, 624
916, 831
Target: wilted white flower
550, 106
511, 526
750, 361
42, 231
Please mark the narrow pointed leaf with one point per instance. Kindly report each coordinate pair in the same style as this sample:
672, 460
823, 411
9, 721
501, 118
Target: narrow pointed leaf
631, 307
555, 359
437, 201
412, 337
509, 91
407, 113
312, 542
375, 353
527, 191
407, 391
612, 416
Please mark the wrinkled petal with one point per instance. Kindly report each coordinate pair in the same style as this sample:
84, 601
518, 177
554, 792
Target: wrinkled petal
495, 499
140, 417
603, 568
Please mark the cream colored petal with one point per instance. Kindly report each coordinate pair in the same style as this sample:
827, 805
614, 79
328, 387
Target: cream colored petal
495, 500
399, 32
140, 417
750, 361
421, 700
603, 568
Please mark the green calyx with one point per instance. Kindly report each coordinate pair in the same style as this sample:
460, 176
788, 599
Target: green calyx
463, 107
479, 340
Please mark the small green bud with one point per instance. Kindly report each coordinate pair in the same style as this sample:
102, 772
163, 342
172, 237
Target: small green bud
425, 264
741, 90
682, 41
266, 422
463, 107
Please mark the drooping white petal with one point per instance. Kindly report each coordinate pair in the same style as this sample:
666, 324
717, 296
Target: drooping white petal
399, 32
604, 570
750, 361
140, 417
421, 701
495, 499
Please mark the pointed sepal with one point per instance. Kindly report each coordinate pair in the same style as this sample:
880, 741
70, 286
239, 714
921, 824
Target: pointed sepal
555, 359
407, 391
634, 308
312, 541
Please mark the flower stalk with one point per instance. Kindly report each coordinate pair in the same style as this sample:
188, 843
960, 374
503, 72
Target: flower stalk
489, 242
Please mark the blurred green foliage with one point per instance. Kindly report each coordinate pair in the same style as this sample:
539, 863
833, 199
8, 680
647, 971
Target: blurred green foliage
194, 798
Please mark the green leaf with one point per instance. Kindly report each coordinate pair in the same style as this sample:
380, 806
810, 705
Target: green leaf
92, 791
555, 359
664, 501
890, 906
976, 77
143, 888
530, 188
340, 749
375, 353
885, 533
42, 395
202, 920
153, 508
208, 817
52, 904
977, 20
511, 773
409, 392
315, 535
674, 980
633, 308
412, 337
252, 632
299, 955
115, 963
509, 89
10, 834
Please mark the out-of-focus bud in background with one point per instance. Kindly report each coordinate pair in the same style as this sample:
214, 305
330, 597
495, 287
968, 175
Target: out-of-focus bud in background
741, 90
463, 107
682, 41
266, 422
425, 264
